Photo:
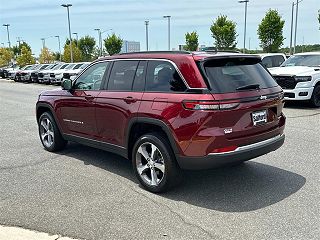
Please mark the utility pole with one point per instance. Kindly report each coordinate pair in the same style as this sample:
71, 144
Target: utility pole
147, 34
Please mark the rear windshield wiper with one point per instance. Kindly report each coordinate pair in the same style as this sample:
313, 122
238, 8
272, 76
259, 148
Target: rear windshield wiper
248, 87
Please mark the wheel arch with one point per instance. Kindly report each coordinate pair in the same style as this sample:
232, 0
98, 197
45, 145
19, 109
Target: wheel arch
140, 126
45, 107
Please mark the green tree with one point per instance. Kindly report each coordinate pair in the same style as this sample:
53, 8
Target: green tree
270, 31
224, 33
86, 46
25, 57
76, 53
113, 44
17, 49
6, 56
46, 56
192, 41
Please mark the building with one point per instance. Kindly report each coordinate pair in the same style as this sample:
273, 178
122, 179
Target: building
130, 46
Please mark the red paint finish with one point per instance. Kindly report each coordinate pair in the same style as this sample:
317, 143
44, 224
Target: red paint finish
105, 115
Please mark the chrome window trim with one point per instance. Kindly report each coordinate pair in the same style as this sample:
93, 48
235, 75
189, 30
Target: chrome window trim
144, 59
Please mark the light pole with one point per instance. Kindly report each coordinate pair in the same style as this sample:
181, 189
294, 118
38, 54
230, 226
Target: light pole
43, 43
59, 46
147, 34
7, 25
245, 23
76, 37
67, 6
100, 42
296, 26
168, 17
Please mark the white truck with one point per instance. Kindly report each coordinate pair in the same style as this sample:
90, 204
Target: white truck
299, 77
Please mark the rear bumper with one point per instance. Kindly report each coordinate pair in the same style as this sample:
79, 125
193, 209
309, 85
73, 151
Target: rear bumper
241, 154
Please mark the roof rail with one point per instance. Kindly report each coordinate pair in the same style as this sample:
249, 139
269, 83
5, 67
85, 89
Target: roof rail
153, 52
227, 51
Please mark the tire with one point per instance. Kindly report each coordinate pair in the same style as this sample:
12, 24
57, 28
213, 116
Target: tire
315, 98
49, 133
166, 173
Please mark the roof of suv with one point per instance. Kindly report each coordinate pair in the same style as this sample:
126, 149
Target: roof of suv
175, 54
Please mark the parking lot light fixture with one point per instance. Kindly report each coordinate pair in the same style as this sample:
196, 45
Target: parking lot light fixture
168, 17
67, 6
59, 46
7, 26
245, 23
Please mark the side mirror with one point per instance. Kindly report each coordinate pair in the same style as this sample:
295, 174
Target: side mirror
66, 84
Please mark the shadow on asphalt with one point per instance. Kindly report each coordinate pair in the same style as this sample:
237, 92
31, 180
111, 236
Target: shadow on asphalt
247, 187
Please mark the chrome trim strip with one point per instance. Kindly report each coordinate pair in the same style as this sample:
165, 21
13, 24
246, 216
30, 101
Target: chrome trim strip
144, 59
92, 140
251, 146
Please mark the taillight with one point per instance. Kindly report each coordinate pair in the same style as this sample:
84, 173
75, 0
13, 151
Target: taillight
225, 149
209, 105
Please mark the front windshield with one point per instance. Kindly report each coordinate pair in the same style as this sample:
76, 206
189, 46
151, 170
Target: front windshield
302, 60
43, 67
50, 67
78, 66
57, 67
70, 66
84, 65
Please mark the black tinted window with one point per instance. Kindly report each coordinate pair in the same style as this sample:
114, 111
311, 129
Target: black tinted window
163, 77
230, 75
122, 75
267, 62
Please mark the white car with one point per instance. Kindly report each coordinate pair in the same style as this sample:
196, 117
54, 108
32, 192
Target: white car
270, 60
71, 73
299, 77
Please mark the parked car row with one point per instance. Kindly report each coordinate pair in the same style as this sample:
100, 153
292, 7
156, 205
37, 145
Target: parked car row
46, 73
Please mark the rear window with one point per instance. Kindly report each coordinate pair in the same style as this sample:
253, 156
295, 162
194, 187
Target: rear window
238, 74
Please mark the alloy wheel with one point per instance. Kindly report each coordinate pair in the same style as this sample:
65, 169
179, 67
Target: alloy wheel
46, 132
150, 164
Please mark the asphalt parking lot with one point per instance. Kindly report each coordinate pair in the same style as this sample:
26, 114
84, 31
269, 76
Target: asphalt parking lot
86, 193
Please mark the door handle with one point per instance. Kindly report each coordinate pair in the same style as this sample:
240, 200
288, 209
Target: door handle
89, 97
130, 100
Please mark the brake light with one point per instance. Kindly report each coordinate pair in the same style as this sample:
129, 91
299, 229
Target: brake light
225, 149
209, 105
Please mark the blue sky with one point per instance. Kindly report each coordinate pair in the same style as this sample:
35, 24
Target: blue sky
35, 19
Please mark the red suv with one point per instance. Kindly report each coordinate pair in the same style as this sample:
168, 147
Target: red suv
168, 111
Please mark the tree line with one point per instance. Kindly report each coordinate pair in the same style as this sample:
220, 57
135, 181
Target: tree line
85, 49
223, 31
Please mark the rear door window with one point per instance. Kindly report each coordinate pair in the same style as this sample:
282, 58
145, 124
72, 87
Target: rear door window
267, 62
232, 75
122, 75
163, 77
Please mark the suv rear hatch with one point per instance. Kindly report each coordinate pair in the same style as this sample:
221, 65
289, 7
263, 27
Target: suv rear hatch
247, 101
